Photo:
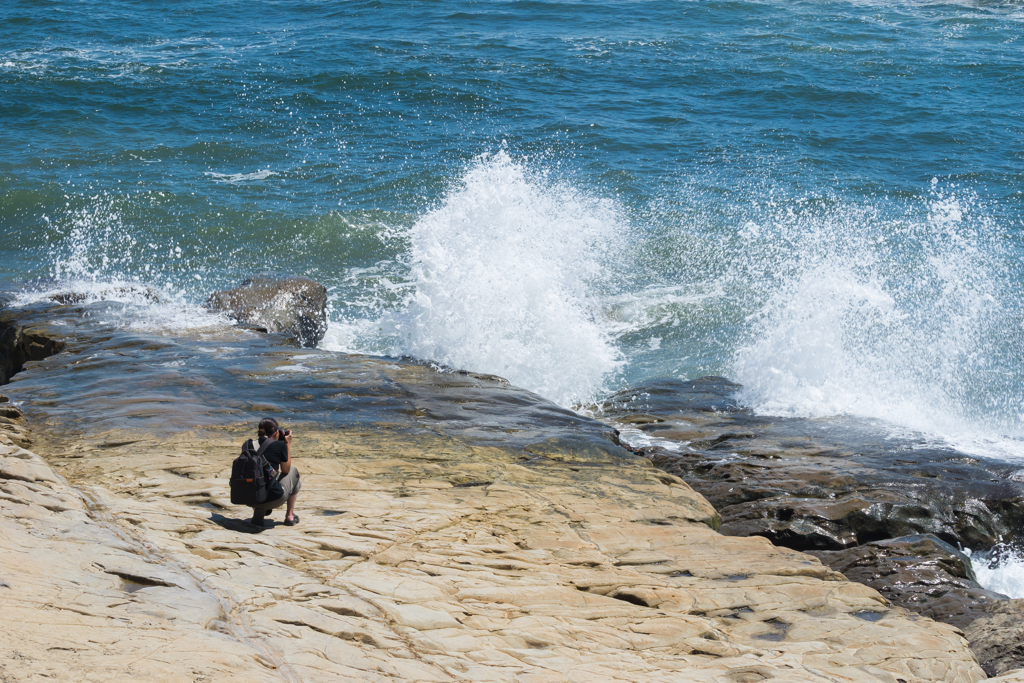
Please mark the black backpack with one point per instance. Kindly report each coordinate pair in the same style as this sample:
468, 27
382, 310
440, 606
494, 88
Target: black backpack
252, 478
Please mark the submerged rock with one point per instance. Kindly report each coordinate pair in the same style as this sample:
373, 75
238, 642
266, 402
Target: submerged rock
296, 306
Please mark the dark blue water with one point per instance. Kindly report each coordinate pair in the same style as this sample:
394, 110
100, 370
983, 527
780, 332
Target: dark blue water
821, 200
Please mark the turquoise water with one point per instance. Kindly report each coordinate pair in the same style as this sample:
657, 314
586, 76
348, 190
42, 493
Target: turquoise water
822, 201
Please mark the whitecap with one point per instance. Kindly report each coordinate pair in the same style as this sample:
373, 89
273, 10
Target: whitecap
240, 177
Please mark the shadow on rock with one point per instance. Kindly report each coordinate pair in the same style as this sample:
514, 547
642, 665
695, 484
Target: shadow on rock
240, 525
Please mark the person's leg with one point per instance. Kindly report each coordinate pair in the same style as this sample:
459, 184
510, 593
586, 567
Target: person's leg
292, 485
262, 510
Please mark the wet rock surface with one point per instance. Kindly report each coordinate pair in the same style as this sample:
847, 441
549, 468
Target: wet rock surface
188, 383
818, 484
131, 292
453, 528
295, 306
920, 573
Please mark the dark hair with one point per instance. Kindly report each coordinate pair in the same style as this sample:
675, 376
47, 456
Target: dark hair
267, 427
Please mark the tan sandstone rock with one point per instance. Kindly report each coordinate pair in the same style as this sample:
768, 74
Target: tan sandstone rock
129, 569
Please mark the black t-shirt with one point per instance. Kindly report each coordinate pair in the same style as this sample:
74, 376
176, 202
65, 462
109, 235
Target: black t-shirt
276, 452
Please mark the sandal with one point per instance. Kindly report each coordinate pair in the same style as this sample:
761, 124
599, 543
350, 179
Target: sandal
293, 521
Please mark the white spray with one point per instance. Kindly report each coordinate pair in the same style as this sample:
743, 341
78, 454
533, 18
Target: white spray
895, 319
99, 258
506, 271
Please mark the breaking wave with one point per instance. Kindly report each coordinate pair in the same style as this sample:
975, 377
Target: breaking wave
504, 277
902, 316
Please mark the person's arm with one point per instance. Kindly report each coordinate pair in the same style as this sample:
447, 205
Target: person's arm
286, 464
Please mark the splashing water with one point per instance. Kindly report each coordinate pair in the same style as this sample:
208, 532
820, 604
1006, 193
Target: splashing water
897, 309
100, 260
506, 273
896, 318
1000, 570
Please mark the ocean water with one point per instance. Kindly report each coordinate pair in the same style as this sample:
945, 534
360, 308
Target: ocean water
819, 200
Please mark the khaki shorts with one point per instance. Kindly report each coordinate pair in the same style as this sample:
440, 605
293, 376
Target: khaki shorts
291, 485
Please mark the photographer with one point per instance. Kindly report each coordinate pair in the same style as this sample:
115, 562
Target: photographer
278, 454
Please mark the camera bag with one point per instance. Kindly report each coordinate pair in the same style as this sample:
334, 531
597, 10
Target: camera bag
252, 478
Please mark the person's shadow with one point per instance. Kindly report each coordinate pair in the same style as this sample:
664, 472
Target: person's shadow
243, 526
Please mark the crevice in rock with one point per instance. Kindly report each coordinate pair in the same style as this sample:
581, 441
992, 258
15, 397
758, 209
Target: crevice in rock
630, 598
236, 620
20, 344
138, 580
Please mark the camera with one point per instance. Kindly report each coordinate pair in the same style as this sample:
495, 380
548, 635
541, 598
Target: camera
283, 433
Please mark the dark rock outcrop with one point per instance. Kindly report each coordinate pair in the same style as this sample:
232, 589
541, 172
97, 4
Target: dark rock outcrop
21, 342
921, 573
296, 306
818, 484
884, 512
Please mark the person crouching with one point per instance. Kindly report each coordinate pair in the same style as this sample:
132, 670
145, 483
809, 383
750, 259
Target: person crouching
279, 456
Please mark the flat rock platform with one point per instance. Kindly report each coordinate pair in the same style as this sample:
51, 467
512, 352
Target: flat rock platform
430, 547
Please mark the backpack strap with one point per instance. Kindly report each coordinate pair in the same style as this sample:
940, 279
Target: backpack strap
259, 454
264, 446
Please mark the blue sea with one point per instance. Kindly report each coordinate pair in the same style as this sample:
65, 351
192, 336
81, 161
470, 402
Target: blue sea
822, 201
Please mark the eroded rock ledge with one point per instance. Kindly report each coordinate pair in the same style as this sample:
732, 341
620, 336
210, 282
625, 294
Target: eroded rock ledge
886, 513
21, 342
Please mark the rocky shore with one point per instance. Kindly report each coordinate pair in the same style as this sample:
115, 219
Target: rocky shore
889, 513
453, 528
